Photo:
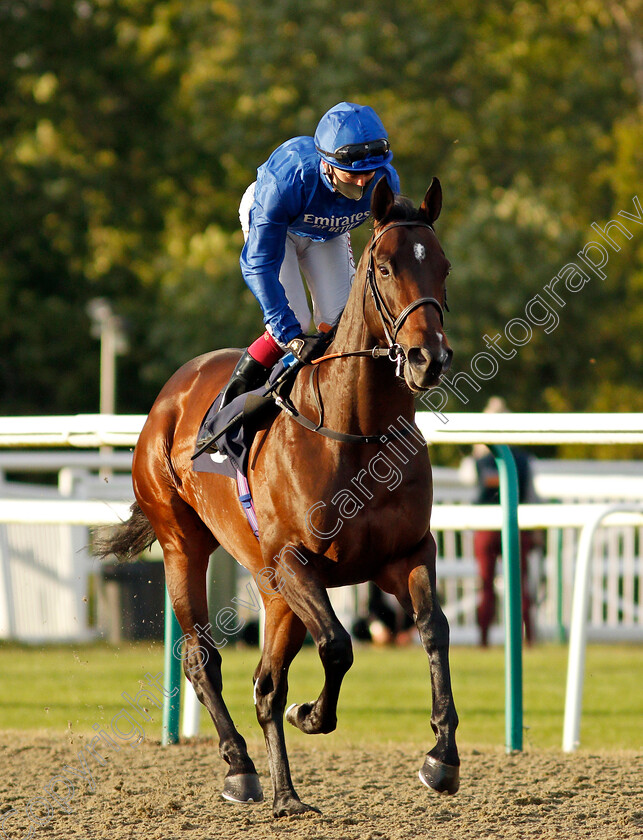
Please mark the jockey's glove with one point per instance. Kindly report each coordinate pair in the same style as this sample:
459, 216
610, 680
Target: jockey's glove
308, 347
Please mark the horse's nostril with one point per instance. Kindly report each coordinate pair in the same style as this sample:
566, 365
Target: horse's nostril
419, 357
445, 359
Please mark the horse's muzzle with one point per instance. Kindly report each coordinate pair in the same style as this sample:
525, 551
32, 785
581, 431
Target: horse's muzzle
424, 367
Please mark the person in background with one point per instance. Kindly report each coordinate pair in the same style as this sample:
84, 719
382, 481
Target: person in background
487, 545
297, 218
385, 623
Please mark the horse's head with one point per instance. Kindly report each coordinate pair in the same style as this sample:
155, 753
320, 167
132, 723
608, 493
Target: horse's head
406, 275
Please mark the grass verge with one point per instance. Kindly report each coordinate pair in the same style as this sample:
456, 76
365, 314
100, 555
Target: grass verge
385, 697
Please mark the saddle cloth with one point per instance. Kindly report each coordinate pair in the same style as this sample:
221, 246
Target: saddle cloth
250, 409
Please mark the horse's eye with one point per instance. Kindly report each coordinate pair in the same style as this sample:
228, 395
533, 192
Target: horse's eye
384, 270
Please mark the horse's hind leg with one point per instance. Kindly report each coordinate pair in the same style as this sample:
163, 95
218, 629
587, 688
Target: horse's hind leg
187, 545
416, 591
284, 634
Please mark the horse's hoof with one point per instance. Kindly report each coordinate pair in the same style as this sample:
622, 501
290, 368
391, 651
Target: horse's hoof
444, 778
242, 788
296, 711
292, 807
301, 716
298, 715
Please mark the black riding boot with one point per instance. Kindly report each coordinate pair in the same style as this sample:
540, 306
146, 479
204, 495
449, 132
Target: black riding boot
247, 375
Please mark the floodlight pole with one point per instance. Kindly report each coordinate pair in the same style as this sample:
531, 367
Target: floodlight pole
108, 328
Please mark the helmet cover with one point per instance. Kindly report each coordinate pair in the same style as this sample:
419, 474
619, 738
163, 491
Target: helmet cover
352, 137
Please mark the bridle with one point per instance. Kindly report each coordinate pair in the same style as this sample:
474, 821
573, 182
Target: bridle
394, 351
395, 324
390, 324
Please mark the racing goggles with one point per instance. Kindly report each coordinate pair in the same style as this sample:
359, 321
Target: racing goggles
354, 152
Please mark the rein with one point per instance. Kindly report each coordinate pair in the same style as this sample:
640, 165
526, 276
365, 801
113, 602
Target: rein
393, 351
344, 437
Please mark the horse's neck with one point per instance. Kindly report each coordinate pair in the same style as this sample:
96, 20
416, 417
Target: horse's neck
360, 395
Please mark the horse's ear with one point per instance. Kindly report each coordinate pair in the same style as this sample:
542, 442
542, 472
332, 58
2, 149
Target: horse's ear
432, 203
382, 201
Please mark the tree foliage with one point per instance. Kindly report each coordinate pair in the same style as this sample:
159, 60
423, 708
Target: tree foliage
129, 130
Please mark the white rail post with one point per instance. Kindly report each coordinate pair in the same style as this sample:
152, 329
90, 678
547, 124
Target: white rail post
191, 711
578, 625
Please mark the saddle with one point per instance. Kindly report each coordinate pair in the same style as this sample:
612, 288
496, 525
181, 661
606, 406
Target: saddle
236, 425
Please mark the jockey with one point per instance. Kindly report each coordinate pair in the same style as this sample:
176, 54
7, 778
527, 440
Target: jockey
296, 219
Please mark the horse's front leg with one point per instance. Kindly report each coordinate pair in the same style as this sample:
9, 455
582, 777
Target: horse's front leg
416, 590
284, 635
441, 766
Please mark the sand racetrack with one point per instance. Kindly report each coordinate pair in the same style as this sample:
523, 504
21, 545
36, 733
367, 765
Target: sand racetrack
156, 793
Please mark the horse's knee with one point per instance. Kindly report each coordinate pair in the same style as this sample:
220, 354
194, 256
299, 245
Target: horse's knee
202, 665
336, 650
422, 584
433, 627
266, 695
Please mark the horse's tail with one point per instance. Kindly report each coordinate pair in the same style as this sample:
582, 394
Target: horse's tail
127, 540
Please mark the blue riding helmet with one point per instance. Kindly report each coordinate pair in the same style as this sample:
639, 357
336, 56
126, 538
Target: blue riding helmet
352, 137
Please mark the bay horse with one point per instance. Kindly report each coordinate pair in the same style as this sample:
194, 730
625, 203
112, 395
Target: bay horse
315, 531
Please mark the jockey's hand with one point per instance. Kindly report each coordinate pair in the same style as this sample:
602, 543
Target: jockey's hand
308, 347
